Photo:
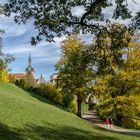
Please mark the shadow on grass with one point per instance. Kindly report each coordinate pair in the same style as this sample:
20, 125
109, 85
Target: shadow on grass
34, 132
6, 133
137, 134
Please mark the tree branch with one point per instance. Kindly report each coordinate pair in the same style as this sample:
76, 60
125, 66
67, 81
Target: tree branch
131, 117
84, 24
92, 6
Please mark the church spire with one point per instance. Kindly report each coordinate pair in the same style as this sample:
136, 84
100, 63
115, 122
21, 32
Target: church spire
29, 60
29, 69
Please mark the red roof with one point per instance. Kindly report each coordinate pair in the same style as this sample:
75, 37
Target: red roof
17, 75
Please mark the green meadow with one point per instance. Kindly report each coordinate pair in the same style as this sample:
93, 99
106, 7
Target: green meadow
27, 116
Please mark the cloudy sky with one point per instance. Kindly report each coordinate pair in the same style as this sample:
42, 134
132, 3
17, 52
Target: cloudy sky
16, 41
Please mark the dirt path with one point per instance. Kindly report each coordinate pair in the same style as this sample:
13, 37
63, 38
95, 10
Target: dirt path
93, 118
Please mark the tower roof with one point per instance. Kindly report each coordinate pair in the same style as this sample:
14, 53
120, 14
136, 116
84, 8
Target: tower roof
29, 68
41, 80
29, 60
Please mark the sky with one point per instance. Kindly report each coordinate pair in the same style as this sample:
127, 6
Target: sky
16, 41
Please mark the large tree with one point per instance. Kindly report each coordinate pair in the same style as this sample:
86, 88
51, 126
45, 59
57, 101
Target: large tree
119, 92
108, 48
74, 70
56, 17
103, 56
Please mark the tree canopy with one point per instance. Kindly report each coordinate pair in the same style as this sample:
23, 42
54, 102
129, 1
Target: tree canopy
74, 71
119, 92
56, 17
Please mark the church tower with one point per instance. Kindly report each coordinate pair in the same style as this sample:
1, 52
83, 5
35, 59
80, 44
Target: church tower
30, 73
30, 69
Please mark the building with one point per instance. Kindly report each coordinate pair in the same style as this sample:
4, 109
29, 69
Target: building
30, 69
41, 80
29, 73
17, 76
54, 79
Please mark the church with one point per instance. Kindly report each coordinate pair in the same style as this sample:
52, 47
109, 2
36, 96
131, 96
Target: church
28, 71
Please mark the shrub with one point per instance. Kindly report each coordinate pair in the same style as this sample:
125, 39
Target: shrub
22, 83
50, 92
58, 97
73, 107
4, 76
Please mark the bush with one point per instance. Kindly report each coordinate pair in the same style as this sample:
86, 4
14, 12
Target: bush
92, 106
58, 97
4, 76
50, 92
22, 83
73, 107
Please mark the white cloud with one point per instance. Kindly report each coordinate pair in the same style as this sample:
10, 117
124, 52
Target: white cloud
44, 53
78, 10
11, 29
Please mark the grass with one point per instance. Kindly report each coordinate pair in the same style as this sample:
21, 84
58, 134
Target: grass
85, 107
26, 116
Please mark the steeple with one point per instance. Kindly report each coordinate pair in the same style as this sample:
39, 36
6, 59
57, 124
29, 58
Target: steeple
29, 60
41, 80
29, 69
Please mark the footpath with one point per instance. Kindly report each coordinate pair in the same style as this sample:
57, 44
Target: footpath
92, 117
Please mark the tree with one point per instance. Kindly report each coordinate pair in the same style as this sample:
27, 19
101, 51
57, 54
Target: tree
22, 83
108, 47
118, 91
5, 59
4, 76
30, 80
74, 70
55, 17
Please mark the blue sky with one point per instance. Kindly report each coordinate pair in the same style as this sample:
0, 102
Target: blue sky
16, 41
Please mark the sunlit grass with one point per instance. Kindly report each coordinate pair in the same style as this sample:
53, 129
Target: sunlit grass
25, 116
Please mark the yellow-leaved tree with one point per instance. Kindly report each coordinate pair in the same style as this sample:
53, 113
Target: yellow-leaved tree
4, 76
119, 92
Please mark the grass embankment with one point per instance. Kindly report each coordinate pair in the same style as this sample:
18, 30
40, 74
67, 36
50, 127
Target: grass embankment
25, 116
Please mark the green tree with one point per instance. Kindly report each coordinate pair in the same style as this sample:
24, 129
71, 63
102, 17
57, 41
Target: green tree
22, 83
74, 70
4, 76
31, 80
118, 91
5, 59
55, 17
109, 47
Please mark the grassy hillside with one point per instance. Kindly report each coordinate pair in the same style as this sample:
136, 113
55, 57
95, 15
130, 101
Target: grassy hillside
25, 116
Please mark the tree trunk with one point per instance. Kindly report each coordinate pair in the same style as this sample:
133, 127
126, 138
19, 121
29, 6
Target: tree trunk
79, 101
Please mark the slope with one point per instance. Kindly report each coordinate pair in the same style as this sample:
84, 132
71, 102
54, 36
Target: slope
25, 116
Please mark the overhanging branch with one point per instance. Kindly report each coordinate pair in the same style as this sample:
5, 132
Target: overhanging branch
90, 10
